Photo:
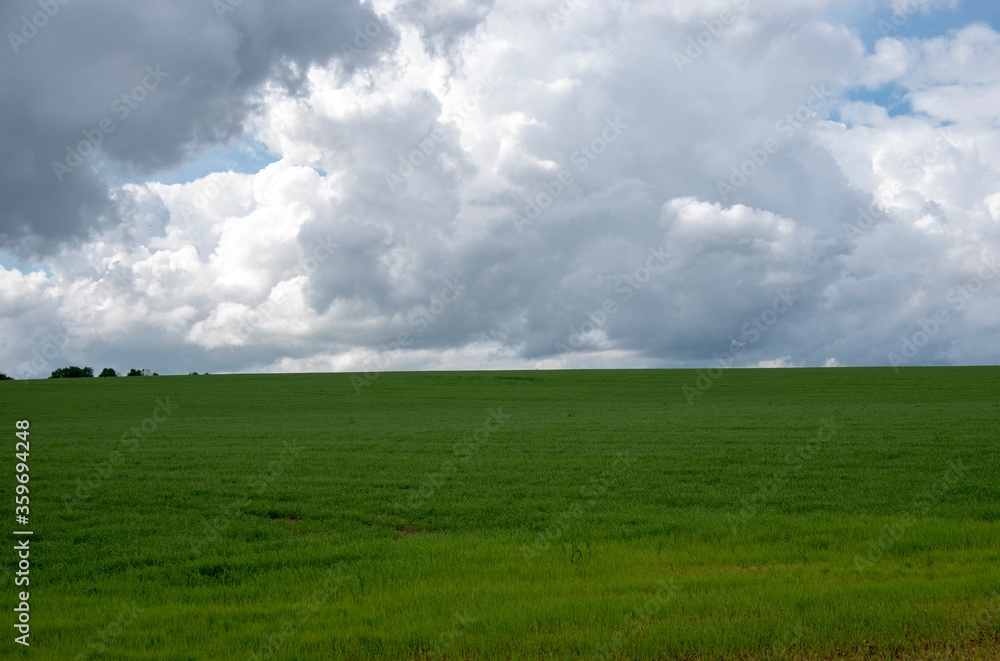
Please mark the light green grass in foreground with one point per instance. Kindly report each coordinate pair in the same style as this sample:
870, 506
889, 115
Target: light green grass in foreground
598, 514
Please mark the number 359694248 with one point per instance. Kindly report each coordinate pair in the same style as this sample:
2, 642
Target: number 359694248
21, 453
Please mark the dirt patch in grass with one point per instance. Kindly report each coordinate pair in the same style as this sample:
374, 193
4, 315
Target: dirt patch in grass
291, 518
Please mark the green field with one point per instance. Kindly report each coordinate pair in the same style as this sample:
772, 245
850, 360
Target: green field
796, 514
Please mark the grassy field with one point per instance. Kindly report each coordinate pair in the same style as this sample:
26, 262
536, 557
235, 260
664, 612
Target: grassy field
795, 514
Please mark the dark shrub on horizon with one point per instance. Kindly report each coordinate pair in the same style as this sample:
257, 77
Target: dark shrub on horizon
72, 372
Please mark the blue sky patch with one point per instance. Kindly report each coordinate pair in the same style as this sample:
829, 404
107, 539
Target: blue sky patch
892, 97
877, 22
247, 155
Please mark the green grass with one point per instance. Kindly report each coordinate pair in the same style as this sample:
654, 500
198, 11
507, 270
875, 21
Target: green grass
287, 517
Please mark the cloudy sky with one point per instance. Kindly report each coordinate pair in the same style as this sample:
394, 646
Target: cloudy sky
482, 184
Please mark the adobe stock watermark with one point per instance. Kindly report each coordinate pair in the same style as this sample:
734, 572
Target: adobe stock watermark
429, 144
254, 320
944, 142
790, 636
959, 297
459, 624
795, 460
867, 218
122, 107
714, 30
901, 16
785, 129
596, 488
408, 166
217, 525
46, 346
211, 191
364, 35
120, 278
920, 508
99, 642
223, 7
128, 443
30, 25
973, 625
636, 621
581, 159
913, 167
363, 38
751, 332
626, 288
565, 9
420, 319
302, 612
495, 420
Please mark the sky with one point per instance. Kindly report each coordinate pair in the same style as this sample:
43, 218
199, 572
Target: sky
316, 186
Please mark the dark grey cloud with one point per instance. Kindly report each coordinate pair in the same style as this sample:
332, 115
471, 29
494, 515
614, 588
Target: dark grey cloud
153, 83
443, 24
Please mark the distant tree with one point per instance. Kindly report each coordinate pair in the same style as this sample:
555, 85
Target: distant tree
142, 372
4, 377
108, 371
72, 372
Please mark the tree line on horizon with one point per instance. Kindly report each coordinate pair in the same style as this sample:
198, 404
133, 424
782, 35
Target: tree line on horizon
74, 372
